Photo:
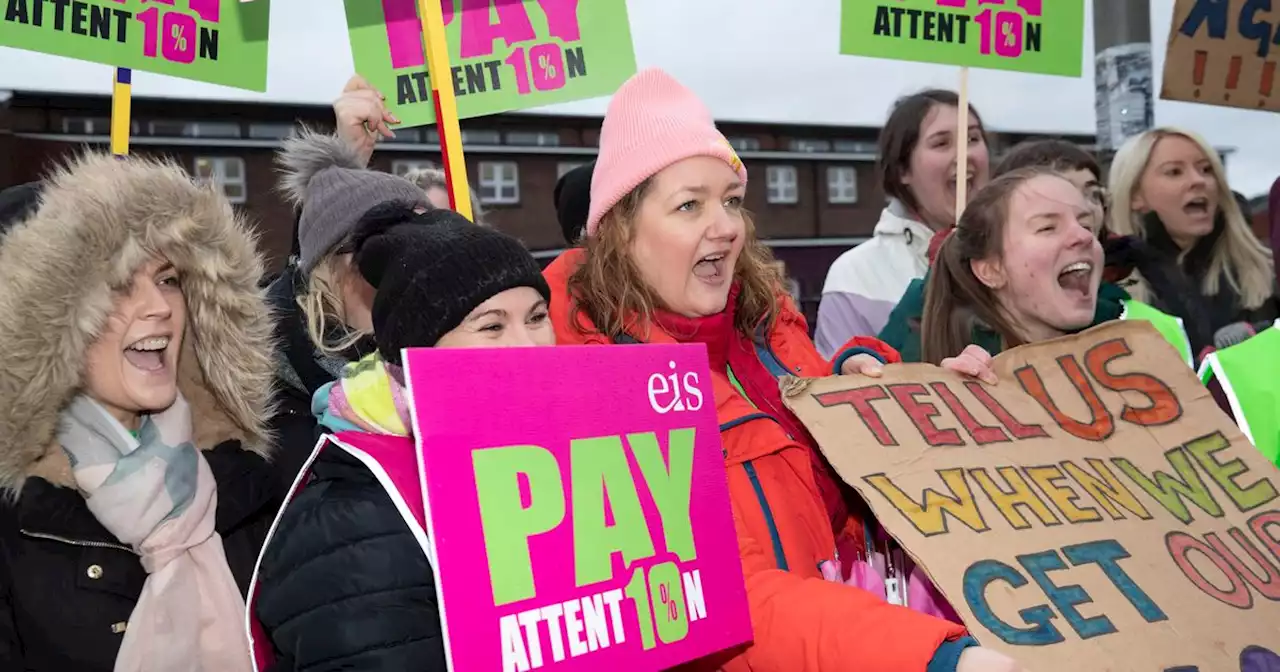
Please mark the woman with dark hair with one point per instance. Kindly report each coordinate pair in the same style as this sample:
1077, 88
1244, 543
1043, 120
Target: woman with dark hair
918, 172
1121, 256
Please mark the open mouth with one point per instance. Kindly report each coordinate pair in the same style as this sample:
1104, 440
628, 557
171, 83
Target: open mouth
148, 353
951, 183
711, 268
1077, 277
1197, 207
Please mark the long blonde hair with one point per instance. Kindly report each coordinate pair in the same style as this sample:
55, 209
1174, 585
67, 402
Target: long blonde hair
609, 290
1238, 254
323, 307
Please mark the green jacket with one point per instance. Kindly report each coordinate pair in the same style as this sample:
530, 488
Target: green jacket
903, 329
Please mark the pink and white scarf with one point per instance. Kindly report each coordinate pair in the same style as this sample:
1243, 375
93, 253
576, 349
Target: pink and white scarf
155, 492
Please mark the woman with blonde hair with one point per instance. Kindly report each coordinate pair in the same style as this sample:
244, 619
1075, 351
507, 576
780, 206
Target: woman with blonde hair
1169, 187
322, 305
670, 255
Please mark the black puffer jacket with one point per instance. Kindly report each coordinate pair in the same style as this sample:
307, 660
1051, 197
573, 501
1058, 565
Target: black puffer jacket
343, 584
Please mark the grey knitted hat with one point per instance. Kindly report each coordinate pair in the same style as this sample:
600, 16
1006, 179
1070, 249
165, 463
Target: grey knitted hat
327, 180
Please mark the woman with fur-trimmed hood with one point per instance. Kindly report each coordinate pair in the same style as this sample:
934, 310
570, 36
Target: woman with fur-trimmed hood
133, 408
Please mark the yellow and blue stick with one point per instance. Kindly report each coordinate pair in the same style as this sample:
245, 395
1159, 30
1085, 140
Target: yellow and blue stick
121, 98
437, 51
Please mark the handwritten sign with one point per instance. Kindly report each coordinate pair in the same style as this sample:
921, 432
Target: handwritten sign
1093, 511
215, 41
1224, 52
1040, 36
579, 508
506, 54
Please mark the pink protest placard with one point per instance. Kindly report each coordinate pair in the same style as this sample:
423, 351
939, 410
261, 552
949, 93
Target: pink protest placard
577, 503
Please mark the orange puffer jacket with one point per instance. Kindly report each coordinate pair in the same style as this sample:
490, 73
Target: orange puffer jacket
802, 623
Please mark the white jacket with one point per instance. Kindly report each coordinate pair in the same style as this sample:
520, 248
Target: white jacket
865, 283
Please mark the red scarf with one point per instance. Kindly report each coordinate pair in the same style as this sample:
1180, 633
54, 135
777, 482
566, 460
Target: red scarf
728, 349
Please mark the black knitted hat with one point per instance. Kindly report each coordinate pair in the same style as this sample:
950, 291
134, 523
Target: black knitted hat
431, 269
573, 201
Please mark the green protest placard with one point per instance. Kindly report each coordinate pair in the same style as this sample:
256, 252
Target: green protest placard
505, 54
215, 41
1037, 36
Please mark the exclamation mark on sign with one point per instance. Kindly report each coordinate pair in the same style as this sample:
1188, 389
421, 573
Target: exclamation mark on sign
1197, 73
1233, 76
1268, 81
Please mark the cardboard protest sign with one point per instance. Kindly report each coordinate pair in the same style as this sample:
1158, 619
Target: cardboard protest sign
577, 501
1224, 52
1039, 36
1095, 510
215, 41
506, 54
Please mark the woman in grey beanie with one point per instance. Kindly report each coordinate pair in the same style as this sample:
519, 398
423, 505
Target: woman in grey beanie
321, 302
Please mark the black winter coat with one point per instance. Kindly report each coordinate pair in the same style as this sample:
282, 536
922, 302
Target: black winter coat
344, 584
68, 586
1216, 311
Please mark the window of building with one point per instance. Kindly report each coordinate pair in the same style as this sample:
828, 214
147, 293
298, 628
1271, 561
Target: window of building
481, 138
193, 129
810, 145
403, 166
269, 131
855, 147
745, 144
566, 166
533, 139
227, 171
91, 126
499, 183
781, 185
87, 125
842, 184
409, 136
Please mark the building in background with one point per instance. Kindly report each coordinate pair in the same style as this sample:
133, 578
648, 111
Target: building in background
814, 189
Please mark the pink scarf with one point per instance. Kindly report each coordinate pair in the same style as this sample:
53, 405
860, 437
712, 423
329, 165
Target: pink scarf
157, 494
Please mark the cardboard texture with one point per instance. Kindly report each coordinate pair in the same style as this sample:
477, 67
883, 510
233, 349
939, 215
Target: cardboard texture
1224, 52
1093, 511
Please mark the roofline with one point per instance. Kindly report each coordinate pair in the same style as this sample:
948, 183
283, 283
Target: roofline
522, 113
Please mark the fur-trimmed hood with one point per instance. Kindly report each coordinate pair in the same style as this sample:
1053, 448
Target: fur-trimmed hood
99, 220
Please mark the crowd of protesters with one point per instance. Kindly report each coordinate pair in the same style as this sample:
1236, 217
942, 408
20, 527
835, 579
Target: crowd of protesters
160, 399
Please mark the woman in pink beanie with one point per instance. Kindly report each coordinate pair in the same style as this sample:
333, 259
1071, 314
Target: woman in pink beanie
671, 256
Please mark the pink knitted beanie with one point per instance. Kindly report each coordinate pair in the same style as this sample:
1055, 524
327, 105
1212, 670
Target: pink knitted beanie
652, 122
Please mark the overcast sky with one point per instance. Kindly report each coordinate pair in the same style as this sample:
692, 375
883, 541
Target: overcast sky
722, 49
